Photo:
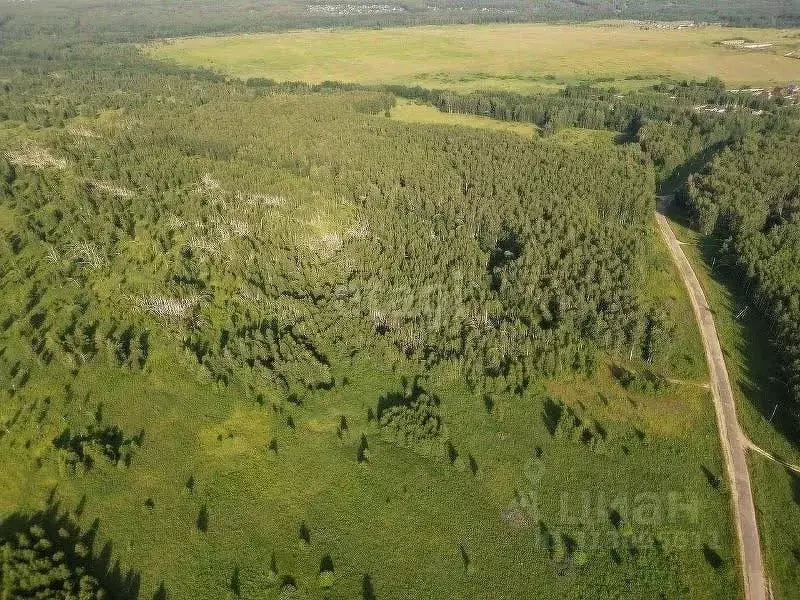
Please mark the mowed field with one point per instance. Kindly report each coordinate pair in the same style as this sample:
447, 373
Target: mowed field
518, 57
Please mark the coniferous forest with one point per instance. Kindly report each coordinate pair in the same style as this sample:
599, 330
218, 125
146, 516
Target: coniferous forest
259, 339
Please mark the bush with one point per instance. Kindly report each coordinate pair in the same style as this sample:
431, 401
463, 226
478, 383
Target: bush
410, 417
647, 382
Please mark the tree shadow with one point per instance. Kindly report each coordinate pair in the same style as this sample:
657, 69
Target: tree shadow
363, 450
408, 396
235, 583
615, 518
304, 533
202, 519
452, 453
391, 399
570, 543
712, 557
273, 564
693, 164
326, 564
551, 414
81, 506
795, 485
465, 559
161, 592
712, 479
288, 584
367, 588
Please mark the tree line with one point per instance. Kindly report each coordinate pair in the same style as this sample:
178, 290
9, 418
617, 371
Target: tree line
117, 21
749, 197
663, 119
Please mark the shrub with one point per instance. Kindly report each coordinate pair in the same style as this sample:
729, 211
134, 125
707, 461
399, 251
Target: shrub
410, 417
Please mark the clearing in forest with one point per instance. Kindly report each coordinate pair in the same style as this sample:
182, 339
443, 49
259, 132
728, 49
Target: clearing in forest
418, 112
409, 111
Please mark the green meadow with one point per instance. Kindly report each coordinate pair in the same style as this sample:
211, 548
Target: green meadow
417, 112
518, 57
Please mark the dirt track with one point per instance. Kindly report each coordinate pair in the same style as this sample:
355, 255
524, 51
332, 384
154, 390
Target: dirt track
731, 438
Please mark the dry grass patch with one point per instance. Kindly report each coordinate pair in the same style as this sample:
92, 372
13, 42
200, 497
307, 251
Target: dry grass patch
35, 157
670, 412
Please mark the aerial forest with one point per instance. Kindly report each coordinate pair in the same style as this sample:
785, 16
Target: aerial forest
262, 338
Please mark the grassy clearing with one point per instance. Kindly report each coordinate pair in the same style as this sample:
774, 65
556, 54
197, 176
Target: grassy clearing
662, 283
410, 111
415, 112
758, 392
516, 57
581, 137
777, 496
207, 450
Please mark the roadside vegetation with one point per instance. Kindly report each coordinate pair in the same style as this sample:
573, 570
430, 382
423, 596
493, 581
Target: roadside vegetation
764, 405
749, 198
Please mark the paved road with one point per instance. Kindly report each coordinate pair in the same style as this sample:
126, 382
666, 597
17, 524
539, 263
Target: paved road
730, 434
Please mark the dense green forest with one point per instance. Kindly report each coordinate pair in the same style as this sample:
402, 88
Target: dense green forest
46, 556
663, 119
429, 243
749, 196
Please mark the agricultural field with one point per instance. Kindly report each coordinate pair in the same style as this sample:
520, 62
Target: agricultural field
519, 57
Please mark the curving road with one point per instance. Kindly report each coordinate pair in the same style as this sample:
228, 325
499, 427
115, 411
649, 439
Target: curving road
730, 434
